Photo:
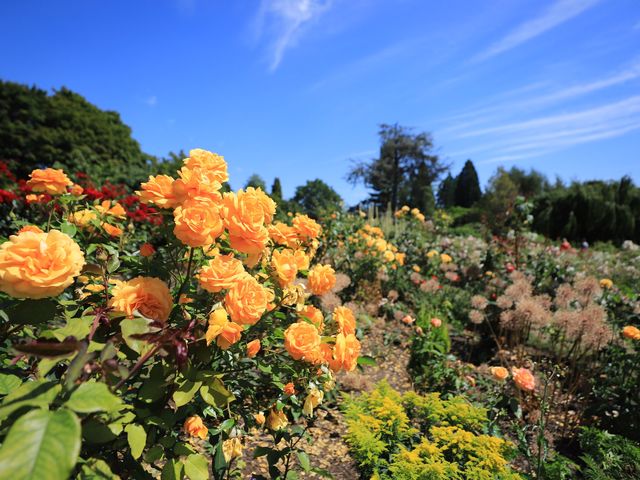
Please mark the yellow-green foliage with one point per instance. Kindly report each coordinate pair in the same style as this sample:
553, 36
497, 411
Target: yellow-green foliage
413, 437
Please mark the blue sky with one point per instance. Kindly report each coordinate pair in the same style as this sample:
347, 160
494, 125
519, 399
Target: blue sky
296, 88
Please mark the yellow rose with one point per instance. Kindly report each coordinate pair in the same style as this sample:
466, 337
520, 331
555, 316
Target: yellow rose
111, 230
83, 218
148, 295
158, 191
221, 273
321, 279
201, 176
499, 373
606, 283
49, 180
444, 258
314, 398
432, 253
246, 301
345, 319
39, 265
117, 210
197, 222
277, 420
195, 427
285, 266
306, 228
232, 448
302, 341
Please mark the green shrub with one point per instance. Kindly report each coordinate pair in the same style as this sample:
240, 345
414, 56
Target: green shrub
410, 437
609, 457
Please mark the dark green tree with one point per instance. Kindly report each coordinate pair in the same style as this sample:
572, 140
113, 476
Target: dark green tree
256, 181
467, 191
276, 190
405, 158
64, 130
530, 184
316, 198
446, 192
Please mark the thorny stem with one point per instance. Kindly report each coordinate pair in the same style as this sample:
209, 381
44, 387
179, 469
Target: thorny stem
138, 366
187, 276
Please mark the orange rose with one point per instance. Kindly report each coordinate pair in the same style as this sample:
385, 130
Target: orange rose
213, 164
436, 322
197, 222
408, 320
264, 201
321, 279
259, 418
111, 230
247, 300
146, 249
631, 332
201, 176
499, 373
314, 315
225, 333
253, 347
302, 260
289, 389
285, 266
524, 379
49, 180
117, 211
302, 341
345, 319
344, 355
148, 295
76, 190
283, 234
158, 191
306, 227
39, 265
30, 228
244, 217
195, 427
221, 273
33, 198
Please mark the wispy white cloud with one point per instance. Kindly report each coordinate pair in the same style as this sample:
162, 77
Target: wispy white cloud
283, 22
151, 101
465, 120
558, 13
540, 136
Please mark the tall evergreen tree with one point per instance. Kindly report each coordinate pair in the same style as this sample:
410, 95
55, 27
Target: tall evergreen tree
256, 181
446, 192
276, 190
467, 191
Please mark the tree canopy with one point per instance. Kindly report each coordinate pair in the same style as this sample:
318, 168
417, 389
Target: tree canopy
404, 170
64, 130
467, 186
317, 198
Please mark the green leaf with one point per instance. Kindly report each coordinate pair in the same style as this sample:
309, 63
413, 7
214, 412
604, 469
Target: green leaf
32, 312
132, 326
137, 438
305, 463
185, 392
8, 383
75, 327
153, 454
41, 444
368, 361
93, 397
38, 393
96, 469
196, 467
68, 228
221, 395
172, 470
